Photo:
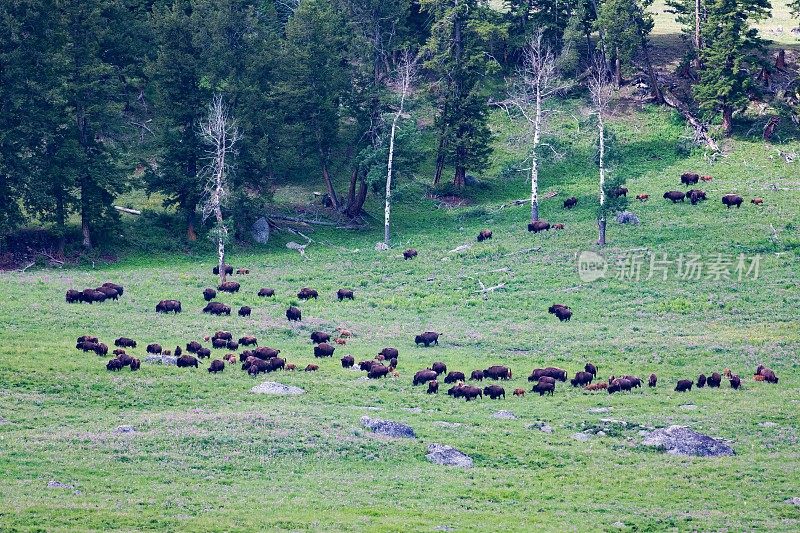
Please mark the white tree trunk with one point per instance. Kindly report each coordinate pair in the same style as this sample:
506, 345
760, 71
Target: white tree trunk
601, 239
537, 128
388, 208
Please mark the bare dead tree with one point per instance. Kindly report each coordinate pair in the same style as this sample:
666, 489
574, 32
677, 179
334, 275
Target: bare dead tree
601, 92
401, 84
220, 134
536, 82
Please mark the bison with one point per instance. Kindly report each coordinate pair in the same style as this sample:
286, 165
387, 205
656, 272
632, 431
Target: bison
228, 270
311, 368
411, 253
203, 352
111, 294
324, 350
494, 392
732, 199
701, 381
620, 191
538, 225
675, 196
642, 197
217, 308
427, 338
544, 387
389, 353
652, 381
590, 368
73, 296
497, 372
265, 292
192, 347
433, 387
154, 348
306, 294
477, 375
485, 234
424, 376
377, 371
209, 294
714, 380
218, 344
124, 342
757, 201
581, 379
168, 306
689, 178
216, 366
119, 288
344, 294
265, 352
519, 392
439, 367
348, 361
683, 385
186, 361
114, 365
735, 381
468, 392
293, 314
452, 377
244, 311
229, 286
570, 202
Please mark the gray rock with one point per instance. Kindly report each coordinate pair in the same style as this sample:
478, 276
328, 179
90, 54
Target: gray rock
580, 436
443, 424
260, 230
505, 415
793, 501
125, 429
161, 360
59, 485
626, 217
768, 424
542, 426
3, 421
381, 247
442, 454
388, 428
271, 387
689, 406
413, 409
618, 525
601, 433
680, 440
443, 528
598, 410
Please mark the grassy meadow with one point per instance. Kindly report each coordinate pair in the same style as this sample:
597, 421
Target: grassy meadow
206, 454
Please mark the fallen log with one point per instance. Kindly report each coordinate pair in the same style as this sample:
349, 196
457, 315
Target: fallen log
700, 129
127, 210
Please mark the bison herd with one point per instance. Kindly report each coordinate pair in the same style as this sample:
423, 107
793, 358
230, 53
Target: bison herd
697, 195
106, 291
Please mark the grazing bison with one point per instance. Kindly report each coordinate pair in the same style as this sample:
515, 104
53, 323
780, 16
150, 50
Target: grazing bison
675, 196
154, 348
538, 225
731, 200
135, 364
411, 253
477, 375
364, 366
257, 367
230, 358
377, 371
497, 372
689, 178
602, 385
468, 392
192, 347
484, 235
218, 344
114, 365
119, 288
544, 387
229, 286
620, 191
209, 294
701, 381
245, 311
653, 380
714, 380
217, 308
563, 314
581, 379
635, 381
248, 341
735, 381
427, 338
619, 385
757, 201
265, 292
74, 296
701, 194
455, 390
558, 226
87, 338
393, 363
433, 387
293, 314
642, 197
389, 353
684, 385
124, 342
519, 392
590, 368
226, 335
101, 349
452, 377
494, 392
766, 373
168, 306
311, 368
186, 361
348, 361
318, 337
265, 352
92, 295
228, 270
695, 197
242, 270
111, 294
551, 372
570, 202
306, 294
439, 367
324, 350
232, 345
203, 352
424, 376
344, 294
216, 366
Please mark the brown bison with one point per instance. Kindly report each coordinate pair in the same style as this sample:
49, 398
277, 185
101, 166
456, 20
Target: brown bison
377, 371
538, 225
135, 364
570, 202
468, 392
242, 270
757, 201
293, 314
114, 365
124, 342
154, 348
389, 353
318, 337
265, 292
111, 294
424, 376
735, 381
452, 377
344, 294
683, 385
732, 199
581, 379
590, 368
228, 270
209, 294
714, 380
497, 372
620, 191
306, 294
186, 361
675, 196
544, 387
602, 385
230, 286
494, 392
348, 361
311, 368
265, 352
619, 385
701, 381
653, 380
168, 306
74, 296
433, 387
119, 288
217, 308
558, 226
245, 311
477, 375
218, 344
519, 392
484, 235
642, 197
216, 366
427, 338
192, 347
248, 340
689, 178
324, 350
203, 352
411, 253
439, 367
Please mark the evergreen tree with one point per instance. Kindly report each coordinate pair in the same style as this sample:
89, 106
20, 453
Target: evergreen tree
732, 49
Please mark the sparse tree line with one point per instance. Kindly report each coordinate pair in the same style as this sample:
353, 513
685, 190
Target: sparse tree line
101, 96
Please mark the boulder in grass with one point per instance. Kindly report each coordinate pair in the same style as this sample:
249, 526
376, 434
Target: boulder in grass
681, 440
271, 387
442, 454
626, 217
388, 428
260, 230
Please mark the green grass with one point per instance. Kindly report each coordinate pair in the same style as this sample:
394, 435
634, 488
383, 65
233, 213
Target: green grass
208, 455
